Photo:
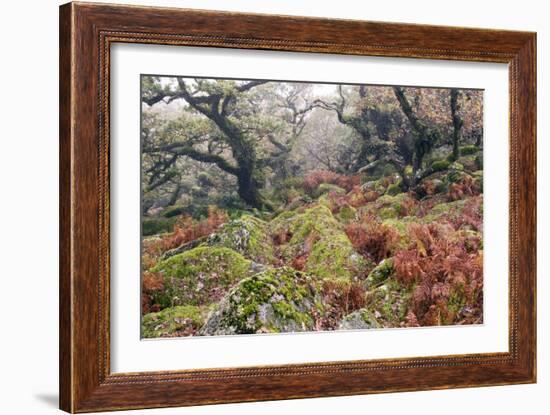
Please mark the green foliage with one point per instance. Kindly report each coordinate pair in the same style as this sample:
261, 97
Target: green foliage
153, 226
347, 213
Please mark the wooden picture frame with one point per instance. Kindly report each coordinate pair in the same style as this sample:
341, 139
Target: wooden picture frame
86, 33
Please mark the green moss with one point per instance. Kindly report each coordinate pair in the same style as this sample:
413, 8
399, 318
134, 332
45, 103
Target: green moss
277, 300
200, 276
380, 273
153, 226
456, 175
401, 226
440, 186
391, 207
335, 256
467, 150
248, 235
170, 321
457, 205
448, 210
283, 216
456, 166
394, 189
439, 165
331, 252
388, 213
199, 192
347, 213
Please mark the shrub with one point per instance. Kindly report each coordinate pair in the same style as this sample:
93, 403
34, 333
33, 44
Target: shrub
371, 196
465, 186
151, 283
341, 297
355, 198
471, 216
185, 229
446, 277
282, 236
371, 239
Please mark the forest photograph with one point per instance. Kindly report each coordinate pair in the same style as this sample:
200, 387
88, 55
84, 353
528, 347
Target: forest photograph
282, 206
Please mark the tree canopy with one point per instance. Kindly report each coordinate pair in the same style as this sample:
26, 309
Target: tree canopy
240, 139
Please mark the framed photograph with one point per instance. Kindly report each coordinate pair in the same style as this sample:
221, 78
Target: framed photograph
260, 207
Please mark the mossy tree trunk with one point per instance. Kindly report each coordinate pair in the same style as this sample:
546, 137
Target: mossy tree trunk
219, 107
457, 123
424, 137
359, 123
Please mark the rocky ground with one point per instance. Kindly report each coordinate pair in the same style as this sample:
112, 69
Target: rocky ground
357, 256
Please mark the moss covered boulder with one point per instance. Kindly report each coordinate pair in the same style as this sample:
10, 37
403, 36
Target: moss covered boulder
249, 236
440, 165
361, 319
277, 300
453, 210
391, 206
172, 322
201, 275
318, 236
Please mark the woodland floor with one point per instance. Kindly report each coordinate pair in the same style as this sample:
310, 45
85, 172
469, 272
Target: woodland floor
342, 252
